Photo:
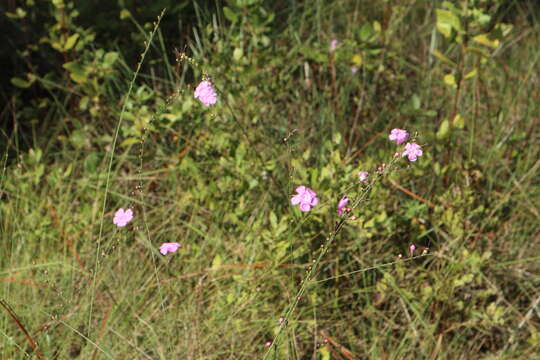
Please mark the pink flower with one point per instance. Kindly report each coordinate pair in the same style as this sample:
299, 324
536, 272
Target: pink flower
362, 175
281, 320
399, 136
168, 247
268, 344
341, 205
121, 217
205, 93
412, 151
354, 69
333, 45
305, 197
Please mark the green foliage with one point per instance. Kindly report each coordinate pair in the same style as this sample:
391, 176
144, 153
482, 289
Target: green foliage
218, 180
471, 42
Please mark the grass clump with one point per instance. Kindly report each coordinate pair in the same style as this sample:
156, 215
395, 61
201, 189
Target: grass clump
254, 276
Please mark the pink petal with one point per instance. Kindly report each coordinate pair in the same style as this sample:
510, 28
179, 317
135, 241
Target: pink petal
305, 207
168, 247
343, 202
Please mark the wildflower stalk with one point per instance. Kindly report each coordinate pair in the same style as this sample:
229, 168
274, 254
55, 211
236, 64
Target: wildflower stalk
109, 170
308, 279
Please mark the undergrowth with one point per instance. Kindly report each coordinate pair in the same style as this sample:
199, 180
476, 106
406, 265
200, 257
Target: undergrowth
254, 276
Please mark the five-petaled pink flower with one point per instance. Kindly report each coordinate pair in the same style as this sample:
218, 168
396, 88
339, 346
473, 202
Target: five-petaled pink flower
412, 151
362, 175
205, 93
333, 45
341, 205
121, 217
399, 136
354, 69
168, 247
305, 197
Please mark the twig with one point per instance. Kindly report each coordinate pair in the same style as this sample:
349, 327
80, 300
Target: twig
417, 197
342, 349
21, 327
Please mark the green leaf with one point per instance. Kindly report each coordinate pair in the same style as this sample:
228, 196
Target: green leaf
446, 21
450, 79
377, 26
444, 130
325, 353
124, 14
80, 79
313, 54
78, 72
83, 103
478, 51
18, 82
273, 219
458, 122
357, 59
238, 53
19, 14
336, 138
484, 40
245, 3
58, 4
216, 262
439, 55
366, 31
129, 141
471, 74
71, 41
110, 58
241, 152
78, 139
465, 279
229, 14
415, 102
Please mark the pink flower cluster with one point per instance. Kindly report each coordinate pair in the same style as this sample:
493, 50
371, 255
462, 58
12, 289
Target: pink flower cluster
305, 197
399, 136
168, 247
123, 217
362, 176
412, 150
205, 93
341, 208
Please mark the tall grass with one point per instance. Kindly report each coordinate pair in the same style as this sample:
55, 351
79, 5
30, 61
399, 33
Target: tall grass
218, 180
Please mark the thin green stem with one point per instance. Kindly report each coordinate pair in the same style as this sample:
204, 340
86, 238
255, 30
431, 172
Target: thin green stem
379, 174
109, 170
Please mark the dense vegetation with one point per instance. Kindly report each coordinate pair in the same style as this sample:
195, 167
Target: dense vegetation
99, 114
